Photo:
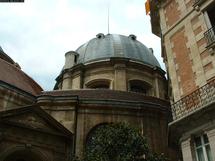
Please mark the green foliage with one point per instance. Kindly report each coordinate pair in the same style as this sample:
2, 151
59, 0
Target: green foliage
157, 157
118, 142
115, 142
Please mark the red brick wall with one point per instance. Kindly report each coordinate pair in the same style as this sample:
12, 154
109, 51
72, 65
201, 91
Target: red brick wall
189, 4
172, 13
205, 54
182, 60
208, 67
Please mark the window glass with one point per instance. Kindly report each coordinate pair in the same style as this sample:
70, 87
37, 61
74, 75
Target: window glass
139, 86
211, 15
205, 138
99, 84
208, 150
202, 148
139, 89
198, 141
200, 154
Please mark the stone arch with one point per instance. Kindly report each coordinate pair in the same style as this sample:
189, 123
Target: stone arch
99, 84
23, 153
140, 86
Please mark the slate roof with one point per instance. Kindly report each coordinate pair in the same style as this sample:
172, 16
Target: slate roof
106, 94
112, 45
11, 74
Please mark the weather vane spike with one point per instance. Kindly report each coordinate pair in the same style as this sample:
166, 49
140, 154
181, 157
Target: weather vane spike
108, 16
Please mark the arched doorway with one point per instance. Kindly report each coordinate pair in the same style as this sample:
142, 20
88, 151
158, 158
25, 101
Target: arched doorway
23, 155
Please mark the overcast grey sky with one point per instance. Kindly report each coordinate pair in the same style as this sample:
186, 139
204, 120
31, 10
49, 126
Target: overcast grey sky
38, 33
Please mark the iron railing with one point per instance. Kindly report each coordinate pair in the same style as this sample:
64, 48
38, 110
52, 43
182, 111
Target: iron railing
200, 98
210, 36
197, 2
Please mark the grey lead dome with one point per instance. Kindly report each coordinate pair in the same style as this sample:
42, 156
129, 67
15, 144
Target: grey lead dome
111, 45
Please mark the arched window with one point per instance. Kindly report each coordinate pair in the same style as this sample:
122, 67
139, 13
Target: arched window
139, 86
99, 84
24, 155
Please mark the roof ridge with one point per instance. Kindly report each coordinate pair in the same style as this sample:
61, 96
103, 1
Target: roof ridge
5, 57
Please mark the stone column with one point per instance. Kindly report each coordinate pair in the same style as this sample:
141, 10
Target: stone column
211, 139
120, 82
186, 150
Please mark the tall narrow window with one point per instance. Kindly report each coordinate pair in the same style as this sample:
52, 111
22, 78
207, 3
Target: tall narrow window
210, 21
202, 148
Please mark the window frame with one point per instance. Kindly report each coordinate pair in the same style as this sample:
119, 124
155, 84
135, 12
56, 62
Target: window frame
202, 146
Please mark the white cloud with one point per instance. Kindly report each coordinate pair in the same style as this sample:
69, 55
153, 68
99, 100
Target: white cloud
134, 12
37, 33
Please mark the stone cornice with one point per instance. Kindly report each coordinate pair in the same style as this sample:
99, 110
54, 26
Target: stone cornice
16, 90
56, 100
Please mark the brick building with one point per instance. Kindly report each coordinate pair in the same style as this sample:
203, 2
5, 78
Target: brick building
186, 29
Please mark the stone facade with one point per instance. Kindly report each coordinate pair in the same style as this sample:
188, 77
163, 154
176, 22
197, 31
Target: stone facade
118, 73
11, 97
187, 34
83, 113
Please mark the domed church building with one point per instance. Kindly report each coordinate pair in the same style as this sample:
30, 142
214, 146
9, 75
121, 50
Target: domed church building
109, 79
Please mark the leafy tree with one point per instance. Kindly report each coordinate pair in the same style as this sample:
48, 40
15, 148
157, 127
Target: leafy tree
118, 142
156, 157
115, 142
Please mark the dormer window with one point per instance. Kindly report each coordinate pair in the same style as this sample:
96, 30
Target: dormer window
139, 86
100, 36
132, 37
99, 84
75, 59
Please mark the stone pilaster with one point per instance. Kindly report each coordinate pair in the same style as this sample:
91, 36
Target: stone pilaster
156, 86
67, 82
120, 82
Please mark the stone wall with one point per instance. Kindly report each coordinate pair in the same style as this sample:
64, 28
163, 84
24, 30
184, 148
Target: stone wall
118, 75
14, 98
82, 110
151, 124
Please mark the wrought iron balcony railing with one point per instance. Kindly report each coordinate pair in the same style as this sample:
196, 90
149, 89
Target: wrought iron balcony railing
197, 2
200, 98
210, 36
